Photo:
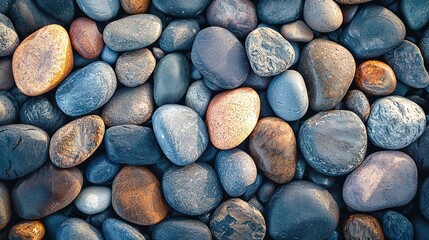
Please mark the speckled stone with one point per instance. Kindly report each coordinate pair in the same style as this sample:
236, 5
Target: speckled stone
24, 148
109, 56
373, 32
272, 146
184, 8
135, 6
5, 6
43, 60
76, 141
268, 52
99, 10
237, 219
357, 102
416, 13
322, 15
198, 97
5, 206
31, 230
8, 110
181, 228
385, 179
424, 198
116, 229
279, 11
76, 228
231, 117
43, 193
9, 38
93, 199
101, 170
407, 62
297, 31
85, 37
6, 76
419, 151
193, 190
134, 68
132, 32
375, 78
395, 122
328, 70
179, 35
333, 154
295, 211
137, 197
362, 226
86, 89
396, 226
129, 106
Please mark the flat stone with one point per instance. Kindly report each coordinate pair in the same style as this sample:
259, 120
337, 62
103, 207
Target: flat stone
181, 228
117, 229
322, 15
375, 78
385, 179
9, 37
135, 6
416, 13
93, 199
134, 68
419, 151
198, 97
396, 226
279, 11
357, 102
179, 35
186, 8
33, 230
297, 31
85, 37
5, 206
76, 141
101, 170
362, 226
76, 228
99, 10
6, 76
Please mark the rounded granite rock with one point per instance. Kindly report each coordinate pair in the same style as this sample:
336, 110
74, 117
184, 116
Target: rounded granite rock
362, 226
279, 11
5, 206
93, 199
134, 68
198, 97
183, 8
135, 6
34, 230
395, 122
43, 60
179, 35
297, 31
6, 75
76, 228
322, 15
181, 228
99, 10
375, 78
101, 170
85, 37
385, 179
9, 38
396, 226
357, 102
333, 154
116, 229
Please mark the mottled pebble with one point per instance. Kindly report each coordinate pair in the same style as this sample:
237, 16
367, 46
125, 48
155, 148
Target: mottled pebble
396, 226
297, 31
416, 13
135, 6
375, 78
85, 37
179, 35
362, 226
134, 68
31, 230
9, 38
357, 102
8, 111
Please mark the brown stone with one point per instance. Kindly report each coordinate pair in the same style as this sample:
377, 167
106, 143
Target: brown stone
362, 226
76, 141
231, 117
134, 68
29, 230
375, 78
137, 197
6, 76
272, 146
357, 102
5, 206
85, 37
42, 60
135, 6
45, 191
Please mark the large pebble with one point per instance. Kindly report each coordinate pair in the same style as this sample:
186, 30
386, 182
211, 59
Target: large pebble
43, 60
416, 13
213, 45
184, 8
301, 210
181, 228
99, 10
9, 38
385, 179
132, 32
279, 11
179, 35
135, 6
85, 37
24, 148
93, 199
5, 206
78, 229
193, 190
43, 193
395, 122
272, 145
333, 154
86, 89
101, 170
198, 97
137, 197
419, 151
76, 141
373, 32
396, 226
116, 229
134, 68
237, 219
297, 31
362, 226
375, 78
33, 230
6, 75
323, 15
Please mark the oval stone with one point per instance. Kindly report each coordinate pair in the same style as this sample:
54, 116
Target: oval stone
297, 31
9, 37
213, 45
362, 226
279, 11
386, 179
99, 10
132, 32
396, 226
333, 154
86, 89
101, 170
43, 193
375, 78
135, 6
24, 148
76, 141
183, 8
357, 102
43, 60
137, 197
5, 206
93, 199
231, 117
395, 122
181, 228
85, 37
33, 230
323, 15
134, 68
198, 97
76, 228
179, 35
116, 229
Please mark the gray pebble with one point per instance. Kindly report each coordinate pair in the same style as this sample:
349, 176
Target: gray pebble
198, 97
179, 35
9, 39
93, 199
323, 15
134, 68
297, 31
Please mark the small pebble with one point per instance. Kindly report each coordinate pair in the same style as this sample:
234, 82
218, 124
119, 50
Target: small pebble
52, 223
179, 35
135, 6
362, 226
8, 111
135, 67
424, 198
198, 97
265, 191
181, 228
322, 15
101, 170
116, 229
109, 56
99, 10
396, 226
419, 151
85, 37
76, 228
256, 82
320, 179
31, 230
93, 199
375, 78
297, 31
357, 102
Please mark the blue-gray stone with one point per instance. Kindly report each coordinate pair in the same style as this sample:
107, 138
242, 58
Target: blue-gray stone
279, 11
179, 35
193, 190
211, 85
424, 46
266, 110
98, 219
101, 170
265, 191
416, 13
77, 229
171, 79
195, 74
132, 145
114, 229
109, 56
198, 97
86, 89
396, 226
181, 228
183, 8
254, 202
424, 198
300, 169
5, 6
61, 10
52, 223
333, 236
9, 38
253, 188
421, 228
419, 150
320, 179
256, 82
8, 110
209, 154
181, 133
99, 10
80, 61
297, 51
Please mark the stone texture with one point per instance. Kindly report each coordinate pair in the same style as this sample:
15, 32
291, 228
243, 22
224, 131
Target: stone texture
322, 15
179, 35
8, 36
134, 68
424, 46
424, 198
101, 170
375, 78
198, 97
416, 13
85, 37
99, 10
117, 229
357, 102
184, 8
396, 226
135, 6
297, 31
60, 10
352, 1
181, 228
419, 151
279, 11
32, 230
93, 199
8, 109
76, 228
6, 76
5, 206
362, 226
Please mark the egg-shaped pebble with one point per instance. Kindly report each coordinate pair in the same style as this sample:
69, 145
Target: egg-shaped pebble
396, 226
76, 228
357, 102
179, 35
135, 6
27, 230
99, 10
362, 226
93, 199
323, 15
85, 37
135, 67
101, 170
375, 78
8, 35
297, 31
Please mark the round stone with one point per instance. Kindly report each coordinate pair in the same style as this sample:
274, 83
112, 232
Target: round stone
24, 148
76, 228
193, 190
301, 210
375, 78
395, 122
5, 206
76, 141
184, 8
231, 117
9, 37
93, 199
268, 52
5, 6
85, 37
6, 75
385, 179
179, 35
8, 110
362, 226
297, 31
99, 10
132, 32
33, 230
323, 15
135, 6
117, 229
101, 170
43, 60
279, 11
213, 45
43, 193
137, 197
198, 97
108, 55
396, 226
134, 68
272, 145
181, 228
357, 102
333, 154
424, 198
86, 89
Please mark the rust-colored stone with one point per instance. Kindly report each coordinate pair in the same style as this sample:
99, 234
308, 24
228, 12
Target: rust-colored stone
76, 141
137, 197
375, 78
42, 60
135, 6
362, 226
29, 230
85, 37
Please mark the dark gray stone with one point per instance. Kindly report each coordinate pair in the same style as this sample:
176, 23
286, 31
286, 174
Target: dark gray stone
357, 102
424, 198
396, 226
424, 46
416, 13
116, 229
179, 35
198, 97
324, 181
252, 189
99, 10
52, 223
256, 82
183, 8
279, 11
78, 229
6, 75
9, 39
61, 10
181, 228
419, 151
5, 6
101, 170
